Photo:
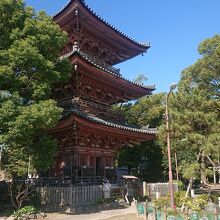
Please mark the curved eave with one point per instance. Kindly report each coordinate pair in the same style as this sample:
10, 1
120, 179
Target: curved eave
112, 78
140, 47
95, 120
99, 125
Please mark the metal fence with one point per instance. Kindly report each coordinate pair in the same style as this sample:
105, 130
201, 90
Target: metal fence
70, 196
152, 213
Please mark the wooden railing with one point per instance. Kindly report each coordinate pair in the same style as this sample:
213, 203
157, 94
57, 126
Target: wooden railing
65, 181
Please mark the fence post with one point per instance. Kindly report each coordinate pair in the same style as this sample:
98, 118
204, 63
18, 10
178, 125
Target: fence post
144, 188
215, 213
154, 214
145, 210
62, 201
165, 212
71, 196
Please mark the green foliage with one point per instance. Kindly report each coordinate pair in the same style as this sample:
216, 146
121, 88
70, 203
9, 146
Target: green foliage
198, 203
195, 114
30, 45
27, 210
147, 111
171, 212
140, 79
29, 53
148, 170
191, 170
181, 185
162, 202
179, 198
214, 197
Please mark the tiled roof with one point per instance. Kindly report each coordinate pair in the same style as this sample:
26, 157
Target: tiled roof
146, 45
103, 66
100, 121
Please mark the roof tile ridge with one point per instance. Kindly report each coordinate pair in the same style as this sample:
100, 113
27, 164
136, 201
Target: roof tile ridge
147, 45
104, 122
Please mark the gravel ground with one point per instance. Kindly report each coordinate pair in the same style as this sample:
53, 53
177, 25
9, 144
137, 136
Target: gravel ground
125, 217
115, 214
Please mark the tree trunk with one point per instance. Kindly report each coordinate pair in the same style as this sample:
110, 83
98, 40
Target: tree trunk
203, 172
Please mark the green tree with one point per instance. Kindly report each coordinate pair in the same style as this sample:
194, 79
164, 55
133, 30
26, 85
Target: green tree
145, 112
195, 124
140, 79
30, 45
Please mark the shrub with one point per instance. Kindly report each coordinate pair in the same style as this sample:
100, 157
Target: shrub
27, 210
198, 203
165, 200
162, 202
181, 185
179, 198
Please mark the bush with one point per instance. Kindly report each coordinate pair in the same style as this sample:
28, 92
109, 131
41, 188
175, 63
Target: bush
27, 210
162, 202
181, 185
179, 198
198, 203
214, 197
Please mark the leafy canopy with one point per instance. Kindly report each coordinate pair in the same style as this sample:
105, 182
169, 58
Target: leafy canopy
195, 113
30, 44
145, 112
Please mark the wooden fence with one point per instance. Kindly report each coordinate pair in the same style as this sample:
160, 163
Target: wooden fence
70, 196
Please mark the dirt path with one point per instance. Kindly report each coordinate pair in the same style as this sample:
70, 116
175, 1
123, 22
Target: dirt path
125, 217
116, 214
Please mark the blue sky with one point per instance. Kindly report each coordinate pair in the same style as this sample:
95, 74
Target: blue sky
174, 27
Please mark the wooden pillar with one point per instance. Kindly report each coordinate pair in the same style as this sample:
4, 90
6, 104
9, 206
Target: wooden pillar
103, 165
88, 160
76, 159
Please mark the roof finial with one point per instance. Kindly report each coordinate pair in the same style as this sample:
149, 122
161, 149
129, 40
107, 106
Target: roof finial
76, 11
75, 46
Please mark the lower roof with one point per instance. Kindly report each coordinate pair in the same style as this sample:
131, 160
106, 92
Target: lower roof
113, 125
93, 123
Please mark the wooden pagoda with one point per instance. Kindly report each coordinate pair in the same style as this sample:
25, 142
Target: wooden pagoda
90, 132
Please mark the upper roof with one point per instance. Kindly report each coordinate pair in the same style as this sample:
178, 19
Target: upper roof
127, 47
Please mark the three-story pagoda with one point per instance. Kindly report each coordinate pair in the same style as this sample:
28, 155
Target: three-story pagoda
90, 132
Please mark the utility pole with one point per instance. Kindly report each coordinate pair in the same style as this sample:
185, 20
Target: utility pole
172, 87
176, 162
